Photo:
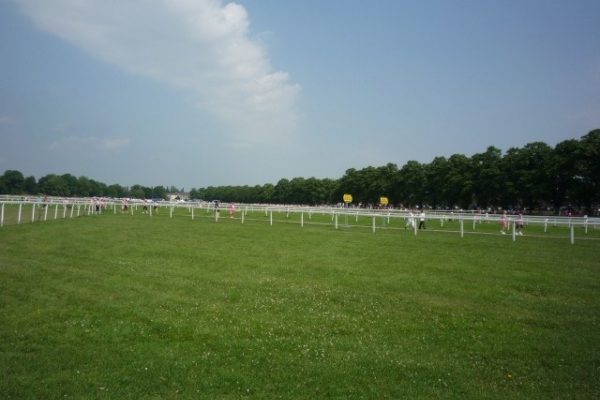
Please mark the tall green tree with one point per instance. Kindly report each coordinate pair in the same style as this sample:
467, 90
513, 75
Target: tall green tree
30, 185
488, 181
436, 177
590, 170
53, 185
413, 184
566, 174
13, 181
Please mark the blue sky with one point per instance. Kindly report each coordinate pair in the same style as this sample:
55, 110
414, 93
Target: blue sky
195, 93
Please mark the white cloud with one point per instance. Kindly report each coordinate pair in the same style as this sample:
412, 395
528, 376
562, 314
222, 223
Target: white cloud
202, 46
91, 143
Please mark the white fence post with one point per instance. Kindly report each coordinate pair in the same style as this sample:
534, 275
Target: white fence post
462, 228
243, 216
546, 225
33, 212
373, 224
72, 209
301, 218
572, 234
46, 211
2, 216
193, 213
336, 220
514, 231
271, 218
64, 211
19, 217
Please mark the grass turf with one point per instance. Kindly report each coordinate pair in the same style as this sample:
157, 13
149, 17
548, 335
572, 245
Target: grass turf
121, 306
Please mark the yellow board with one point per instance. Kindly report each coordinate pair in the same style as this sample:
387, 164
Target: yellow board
383, 201
347, 198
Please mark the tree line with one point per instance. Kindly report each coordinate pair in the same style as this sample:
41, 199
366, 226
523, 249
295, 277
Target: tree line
67, 185
536, 176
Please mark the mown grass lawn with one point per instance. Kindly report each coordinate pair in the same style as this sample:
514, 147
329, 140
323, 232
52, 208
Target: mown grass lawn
121, 306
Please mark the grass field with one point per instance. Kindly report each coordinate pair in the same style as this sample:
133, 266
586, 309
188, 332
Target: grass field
132, 307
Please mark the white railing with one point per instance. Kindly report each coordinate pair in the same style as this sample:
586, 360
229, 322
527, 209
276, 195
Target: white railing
55, 208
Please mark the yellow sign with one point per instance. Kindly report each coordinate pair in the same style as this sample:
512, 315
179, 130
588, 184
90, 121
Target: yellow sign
347, 198
383, 201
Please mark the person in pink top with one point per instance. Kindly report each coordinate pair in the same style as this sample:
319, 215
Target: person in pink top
504, 223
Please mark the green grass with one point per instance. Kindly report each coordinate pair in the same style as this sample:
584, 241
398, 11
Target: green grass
121, 306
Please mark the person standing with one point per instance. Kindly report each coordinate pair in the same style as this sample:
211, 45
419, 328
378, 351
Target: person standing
422, 220
519, 224
504, 223
410, 221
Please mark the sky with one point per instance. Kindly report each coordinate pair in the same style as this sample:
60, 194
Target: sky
197, 93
